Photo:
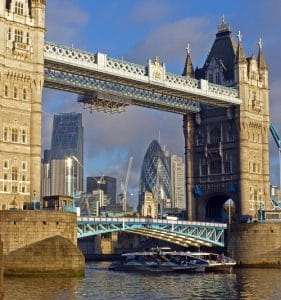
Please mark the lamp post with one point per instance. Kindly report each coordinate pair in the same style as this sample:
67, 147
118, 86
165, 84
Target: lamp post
34, 200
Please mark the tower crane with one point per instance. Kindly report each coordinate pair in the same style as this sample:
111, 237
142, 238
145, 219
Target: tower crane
277, 140
124, 185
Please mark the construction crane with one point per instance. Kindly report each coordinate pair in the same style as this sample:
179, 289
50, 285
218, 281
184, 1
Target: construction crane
124, 186
277, 140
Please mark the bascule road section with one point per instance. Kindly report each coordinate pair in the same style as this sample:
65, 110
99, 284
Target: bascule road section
183, 233
110, 84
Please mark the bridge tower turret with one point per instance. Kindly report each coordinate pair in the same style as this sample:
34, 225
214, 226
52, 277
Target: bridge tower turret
22, 24
253, 118
227, 148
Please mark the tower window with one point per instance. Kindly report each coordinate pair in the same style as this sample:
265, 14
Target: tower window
218, 80
215, 165
9, 34
24, 166
19, 8
6, 134
6, 91
14, 189
18, 36
27, 38
6, 164
23, 136
210, 78
14, 173
24, 94
15, 93
14, 135
215, 135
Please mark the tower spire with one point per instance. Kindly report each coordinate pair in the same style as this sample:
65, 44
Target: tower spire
240, 56
188, 67
261, 60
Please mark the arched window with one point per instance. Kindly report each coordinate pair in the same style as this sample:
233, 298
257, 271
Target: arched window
27, 37
6, 91
218, 80
14, 135
23, 136
203, 167
24, 94
6, 134
15, 93
215, 135
9, 34
215, 165
19, 8
14, 173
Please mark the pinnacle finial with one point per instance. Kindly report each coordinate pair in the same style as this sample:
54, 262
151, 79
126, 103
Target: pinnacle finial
223, 26
260, 43
239, 35
188, 49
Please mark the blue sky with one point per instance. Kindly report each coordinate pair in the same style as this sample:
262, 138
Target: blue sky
141, 29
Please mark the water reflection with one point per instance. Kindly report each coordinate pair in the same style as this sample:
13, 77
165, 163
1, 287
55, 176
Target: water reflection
99, 283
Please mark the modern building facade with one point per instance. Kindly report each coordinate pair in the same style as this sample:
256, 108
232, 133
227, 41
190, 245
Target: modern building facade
177, 182
105, 183
227, 149
62, 165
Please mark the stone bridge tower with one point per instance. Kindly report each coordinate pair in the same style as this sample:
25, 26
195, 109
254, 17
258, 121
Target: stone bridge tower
22, 30
227, 149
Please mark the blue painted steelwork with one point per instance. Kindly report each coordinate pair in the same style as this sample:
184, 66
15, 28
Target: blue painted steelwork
122, 82
179, 232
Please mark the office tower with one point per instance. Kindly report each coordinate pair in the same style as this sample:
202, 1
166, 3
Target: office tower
155, 174
177, 182
64, 161
105, 183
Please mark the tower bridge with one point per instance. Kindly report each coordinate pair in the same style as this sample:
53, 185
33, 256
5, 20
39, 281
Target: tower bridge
225, 108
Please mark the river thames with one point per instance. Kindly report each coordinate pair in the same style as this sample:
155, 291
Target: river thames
99, 283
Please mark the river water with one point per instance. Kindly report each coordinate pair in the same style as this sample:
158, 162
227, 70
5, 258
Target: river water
99, 284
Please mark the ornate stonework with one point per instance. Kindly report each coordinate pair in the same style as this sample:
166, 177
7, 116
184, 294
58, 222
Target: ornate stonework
21, 70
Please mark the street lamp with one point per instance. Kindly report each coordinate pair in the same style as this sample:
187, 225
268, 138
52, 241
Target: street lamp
229, 206
34, 200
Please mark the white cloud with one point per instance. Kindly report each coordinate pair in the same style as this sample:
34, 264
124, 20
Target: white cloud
170, 40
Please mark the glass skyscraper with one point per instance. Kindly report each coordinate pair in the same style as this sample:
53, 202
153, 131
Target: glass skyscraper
65, 158
155, 173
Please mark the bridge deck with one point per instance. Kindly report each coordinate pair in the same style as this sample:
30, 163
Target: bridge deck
184, 233
79, 71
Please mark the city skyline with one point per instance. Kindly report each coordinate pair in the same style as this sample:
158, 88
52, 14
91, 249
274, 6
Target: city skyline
162, 28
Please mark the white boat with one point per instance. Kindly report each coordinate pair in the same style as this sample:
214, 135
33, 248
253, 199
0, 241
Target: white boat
159, 261
216, 262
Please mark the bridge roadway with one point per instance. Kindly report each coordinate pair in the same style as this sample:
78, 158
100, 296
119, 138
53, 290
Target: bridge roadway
109, 83
183, 233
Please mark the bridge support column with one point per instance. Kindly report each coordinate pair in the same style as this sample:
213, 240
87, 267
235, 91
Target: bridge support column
188, 143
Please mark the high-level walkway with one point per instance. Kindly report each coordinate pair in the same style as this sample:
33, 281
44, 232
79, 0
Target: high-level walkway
111, 82
183, 233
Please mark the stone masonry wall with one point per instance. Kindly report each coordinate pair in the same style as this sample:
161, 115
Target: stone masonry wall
40, 242
257, 244
22, 228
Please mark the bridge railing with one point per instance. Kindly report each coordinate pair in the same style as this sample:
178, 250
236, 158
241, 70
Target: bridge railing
148, 221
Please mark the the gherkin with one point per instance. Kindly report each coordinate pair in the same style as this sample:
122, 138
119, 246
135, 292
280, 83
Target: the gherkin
155, 172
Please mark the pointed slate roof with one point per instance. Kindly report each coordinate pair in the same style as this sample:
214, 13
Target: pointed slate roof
223, 50
188, 67
261, 60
